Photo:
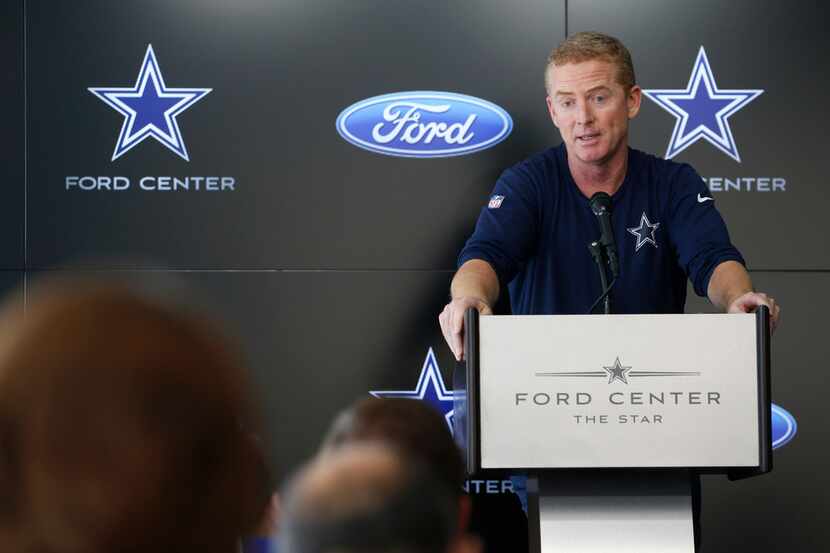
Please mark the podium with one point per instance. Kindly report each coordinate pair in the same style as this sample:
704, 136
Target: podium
613, 416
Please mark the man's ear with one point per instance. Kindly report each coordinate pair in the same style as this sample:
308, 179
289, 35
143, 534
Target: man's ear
466, 543
465, 512
10, 477
635, 96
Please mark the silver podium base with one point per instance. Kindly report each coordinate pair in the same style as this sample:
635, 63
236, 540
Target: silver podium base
619, 512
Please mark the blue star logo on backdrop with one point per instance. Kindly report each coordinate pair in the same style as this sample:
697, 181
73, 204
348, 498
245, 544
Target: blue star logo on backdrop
644, 232
150, 108
702, 110
430, 388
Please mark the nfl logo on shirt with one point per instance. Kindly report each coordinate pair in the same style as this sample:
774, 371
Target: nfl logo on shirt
495, 202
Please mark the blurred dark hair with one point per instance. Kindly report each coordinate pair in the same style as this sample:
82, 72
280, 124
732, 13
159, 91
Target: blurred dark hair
124, 426
368, 498
408, 424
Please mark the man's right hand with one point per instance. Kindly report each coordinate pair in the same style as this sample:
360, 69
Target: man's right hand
452, 321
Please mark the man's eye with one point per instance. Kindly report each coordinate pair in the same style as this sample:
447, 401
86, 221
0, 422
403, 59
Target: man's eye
567, 103
599, 98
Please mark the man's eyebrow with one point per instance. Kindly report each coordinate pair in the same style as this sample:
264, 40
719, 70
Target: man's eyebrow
593, 89
599, 87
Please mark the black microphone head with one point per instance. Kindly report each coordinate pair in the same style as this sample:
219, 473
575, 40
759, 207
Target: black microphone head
600, 203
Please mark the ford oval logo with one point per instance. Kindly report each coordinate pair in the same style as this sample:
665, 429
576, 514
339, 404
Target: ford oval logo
784, 427
424, 124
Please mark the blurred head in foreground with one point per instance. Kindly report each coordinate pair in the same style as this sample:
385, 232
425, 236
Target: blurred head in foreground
418, 431
370, 498
407, 424
124, 426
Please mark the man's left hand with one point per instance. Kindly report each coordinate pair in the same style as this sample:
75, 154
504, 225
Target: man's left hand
749, 302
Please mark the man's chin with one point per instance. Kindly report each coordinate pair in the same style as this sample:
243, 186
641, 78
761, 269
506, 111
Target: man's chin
595, 154
592, 155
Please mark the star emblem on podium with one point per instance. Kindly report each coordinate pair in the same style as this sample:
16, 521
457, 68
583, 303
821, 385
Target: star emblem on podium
150, 108
702, 110
644, 232
430, 388
617, 372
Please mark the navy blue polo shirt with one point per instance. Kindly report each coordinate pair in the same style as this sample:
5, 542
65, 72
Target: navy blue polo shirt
536, 227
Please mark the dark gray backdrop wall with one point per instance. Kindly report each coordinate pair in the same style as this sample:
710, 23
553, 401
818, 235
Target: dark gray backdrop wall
12, 138
280, 74
12, 145
773, 46
331, 263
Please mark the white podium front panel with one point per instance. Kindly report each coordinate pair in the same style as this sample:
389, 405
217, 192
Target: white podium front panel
618, 391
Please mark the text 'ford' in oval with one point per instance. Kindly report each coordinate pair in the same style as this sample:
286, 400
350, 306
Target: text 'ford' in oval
424, 124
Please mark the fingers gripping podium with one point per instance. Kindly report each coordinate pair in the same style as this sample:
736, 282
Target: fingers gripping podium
610, 415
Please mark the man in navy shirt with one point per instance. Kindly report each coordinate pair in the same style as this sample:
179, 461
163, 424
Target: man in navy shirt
533, 234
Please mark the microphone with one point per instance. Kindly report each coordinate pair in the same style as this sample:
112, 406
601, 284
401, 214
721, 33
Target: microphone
601, 206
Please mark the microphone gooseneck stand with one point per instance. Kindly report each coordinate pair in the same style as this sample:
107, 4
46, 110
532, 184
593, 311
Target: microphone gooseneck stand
597, 252
604, 249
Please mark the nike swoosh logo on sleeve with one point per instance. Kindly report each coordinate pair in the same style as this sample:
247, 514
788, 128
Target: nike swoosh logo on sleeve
701, 199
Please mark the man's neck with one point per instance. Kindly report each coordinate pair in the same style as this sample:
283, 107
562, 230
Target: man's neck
606, 177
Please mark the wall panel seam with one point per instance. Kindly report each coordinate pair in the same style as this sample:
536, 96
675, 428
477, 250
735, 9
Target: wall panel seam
24, 15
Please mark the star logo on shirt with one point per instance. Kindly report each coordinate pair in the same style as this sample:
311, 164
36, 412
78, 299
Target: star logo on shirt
430, 388
617, 372
644, 232
150, 108
702, 110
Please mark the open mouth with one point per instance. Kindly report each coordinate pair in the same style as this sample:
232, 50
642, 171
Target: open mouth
588, 137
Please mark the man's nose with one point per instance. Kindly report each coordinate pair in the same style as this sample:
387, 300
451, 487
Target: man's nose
584, 115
